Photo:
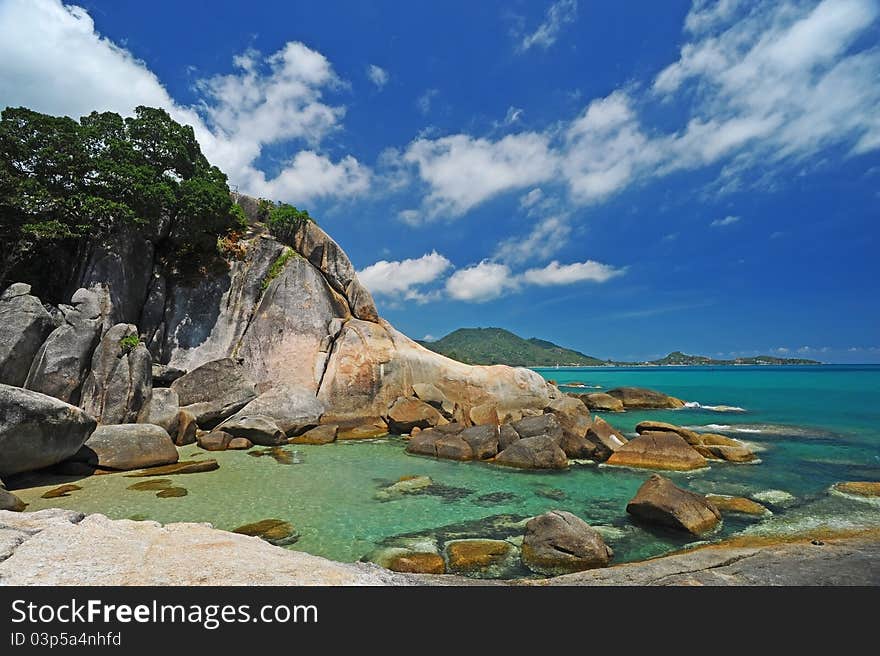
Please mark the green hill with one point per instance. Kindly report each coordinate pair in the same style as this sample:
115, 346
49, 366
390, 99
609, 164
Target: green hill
679, 358
499, 346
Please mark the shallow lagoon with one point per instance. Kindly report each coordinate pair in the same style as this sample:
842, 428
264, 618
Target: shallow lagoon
328, 492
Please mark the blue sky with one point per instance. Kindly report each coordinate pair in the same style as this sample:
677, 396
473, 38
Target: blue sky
622, 179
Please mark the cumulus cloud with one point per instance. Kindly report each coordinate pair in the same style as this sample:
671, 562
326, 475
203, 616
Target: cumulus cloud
566, 274
403, 279
53, 60
481, 282
377, 75
726, 221
547, 237
559, 14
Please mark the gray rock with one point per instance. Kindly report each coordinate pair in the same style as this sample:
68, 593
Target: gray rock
539, 452
573, 416
659, 501
558, 542
294, 409
120, 381
259, 429
216, 440
164, 375
507, 435
61, 364
215, 390
162, 410
128, 446
546, 424
37, 431
483, 441
8, 501
24, 326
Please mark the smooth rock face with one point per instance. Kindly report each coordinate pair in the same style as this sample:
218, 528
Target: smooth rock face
483, 440
659, 501
638, 397
453, 447
319, 435
558, 542
215, 390
601, 402
293, 409
38, 430
540, 452
606, 438
216, 440
259, 429
161, 410
128, 446
658, 451
120, 382
406, 414
60, 366
547, 424
24, 326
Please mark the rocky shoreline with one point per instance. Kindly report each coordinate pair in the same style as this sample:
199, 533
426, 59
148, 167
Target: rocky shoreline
62, 547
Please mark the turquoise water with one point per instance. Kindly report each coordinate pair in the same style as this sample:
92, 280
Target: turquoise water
813, 426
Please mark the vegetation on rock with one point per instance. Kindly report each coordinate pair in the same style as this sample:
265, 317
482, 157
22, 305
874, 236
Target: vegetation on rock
285, 220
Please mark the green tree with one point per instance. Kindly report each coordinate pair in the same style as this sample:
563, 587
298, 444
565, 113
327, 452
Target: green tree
285, 221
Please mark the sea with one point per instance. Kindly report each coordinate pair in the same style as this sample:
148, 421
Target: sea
812, 426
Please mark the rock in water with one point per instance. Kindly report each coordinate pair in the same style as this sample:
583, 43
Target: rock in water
659, 501
183, 467
690, 436
658, 451
476, 556
546, 424
319, 435
638, 397
120, 382
293, 409
869, 489
214, 391
128, 446
739, 505
558, 542
24, 326
37, 431
606, 438
601, 402
274, 531
216, 440
162, 410
406, 414
539, 452
483, 440
59, 367
60, 491
259, 429
8, 501
239, 444
415, 562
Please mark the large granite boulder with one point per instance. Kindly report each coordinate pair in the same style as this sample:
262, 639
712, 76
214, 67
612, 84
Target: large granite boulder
606, 438
658, 451
659, 501
60, 366
574, 420
128, 446
539, 452
601, 402
24, 326
483, 440
546, 424
641, 398
120, 381
259, 429
690, 436
558, 542
37, 431
407, 413
431, 394
162, 409
215, 390
293, 409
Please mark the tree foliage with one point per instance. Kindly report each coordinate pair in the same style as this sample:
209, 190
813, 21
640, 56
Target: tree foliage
285, 220
69, 183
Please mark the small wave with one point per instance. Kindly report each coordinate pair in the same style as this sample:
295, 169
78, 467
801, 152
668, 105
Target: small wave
776, 497
713, 408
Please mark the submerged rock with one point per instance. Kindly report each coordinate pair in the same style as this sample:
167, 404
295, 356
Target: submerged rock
641, 398
739, 505
183, 467
60, 491
128, 446
414, 562
37, 430
477, 557
558, 542
406, 485
539, 452
171, 492
658, 451
274, 531
869, 489
150, 486
659, 501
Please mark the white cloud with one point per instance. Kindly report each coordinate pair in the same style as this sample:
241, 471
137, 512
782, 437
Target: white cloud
530, 199
481, 282
401, 279
566, 274
429, 338
726, 221
53, 60
463, 171
558, 15
424, 102
514, 114
410, 217
707, 14
547, 237
377, 75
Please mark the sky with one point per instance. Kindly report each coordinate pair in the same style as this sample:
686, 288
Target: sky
625, 179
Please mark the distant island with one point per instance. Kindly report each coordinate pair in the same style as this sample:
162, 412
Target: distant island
500, 346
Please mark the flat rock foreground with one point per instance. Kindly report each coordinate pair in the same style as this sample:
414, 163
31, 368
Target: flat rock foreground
62, 547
